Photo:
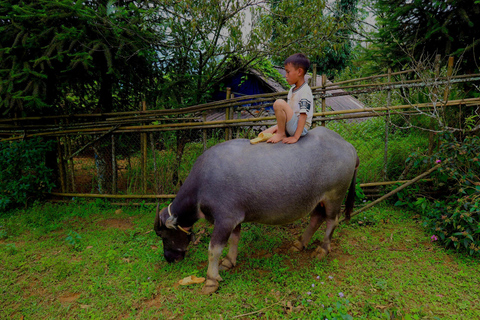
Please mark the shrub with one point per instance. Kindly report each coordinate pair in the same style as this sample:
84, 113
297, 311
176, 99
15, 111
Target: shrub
454, 219
23, 173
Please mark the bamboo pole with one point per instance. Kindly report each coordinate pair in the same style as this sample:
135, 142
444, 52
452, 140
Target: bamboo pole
250, 121
143, 141
314, 75
71, 163
112, 196
179, 126
371, 77
387, 122
172, 196
114, 166
154, 156
449, 75
237, 101
391, 193
387, 183
227, 113
204, 133
324, 102
61, 165
431, 136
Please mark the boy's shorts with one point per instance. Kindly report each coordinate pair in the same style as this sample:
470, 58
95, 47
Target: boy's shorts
291, 127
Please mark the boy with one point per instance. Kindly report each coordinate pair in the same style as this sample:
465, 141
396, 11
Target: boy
294, 117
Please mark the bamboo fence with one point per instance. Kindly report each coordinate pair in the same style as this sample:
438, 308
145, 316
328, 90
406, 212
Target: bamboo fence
144, 122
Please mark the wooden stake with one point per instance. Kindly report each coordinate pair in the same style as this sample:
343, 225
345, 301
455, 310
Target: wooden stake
204, 133
324, 102
449, 75
143, 141
387, 122
114, 166
391, 193
227, 114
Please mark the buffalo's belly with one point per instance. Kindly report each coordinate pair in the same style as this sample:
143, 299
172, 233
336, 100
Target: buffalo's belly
279, 212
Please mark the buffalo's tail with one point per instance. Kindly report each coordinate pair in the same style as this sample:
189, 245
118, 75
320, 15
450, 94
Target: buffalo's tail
349, 204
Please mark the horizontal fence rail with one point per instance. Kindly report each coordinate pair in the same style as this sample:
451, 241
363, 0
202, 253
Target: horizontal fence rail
146, 154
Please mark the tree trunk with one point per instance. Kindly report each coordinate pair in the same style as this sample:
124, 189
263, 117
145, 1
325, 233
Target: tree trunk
103, 148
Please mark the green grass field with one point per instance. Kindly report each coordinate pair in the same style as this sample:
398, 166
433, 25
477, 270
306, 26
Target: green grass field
90, 261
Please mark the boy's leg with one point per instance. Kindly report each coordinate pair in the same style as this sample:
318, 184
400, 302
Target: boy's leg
283, 113
271, 130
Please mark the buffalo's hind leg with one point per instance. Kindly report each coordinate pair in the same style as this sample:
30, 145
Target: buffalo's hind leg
332, 211
230, 260
316, 219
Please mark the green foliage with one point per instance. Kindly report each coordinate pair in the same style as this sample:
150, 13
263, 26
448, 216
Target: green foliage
53, 51
368, 137
266, 67
73, 239
23, 174
422, 28
454, 219
324, 34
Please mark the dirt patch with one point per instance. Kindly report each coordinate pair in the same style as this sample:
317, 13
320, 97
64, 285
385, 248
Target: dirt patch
156, 302
69, 297
122, 224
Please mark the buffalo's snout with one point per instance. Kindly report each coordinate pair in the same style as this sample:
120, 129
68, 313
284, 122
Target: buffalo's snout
174, 255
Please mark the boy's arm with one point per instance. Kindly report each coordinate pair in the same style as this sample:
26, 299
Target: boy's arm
302, 119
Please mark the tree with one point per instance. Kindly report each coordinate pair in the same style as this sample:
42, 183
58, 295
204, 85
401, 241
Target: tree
412, 29
323, 33
49, 49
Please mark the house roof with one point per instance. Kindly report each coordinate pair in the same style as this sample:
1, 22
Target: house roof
337, 103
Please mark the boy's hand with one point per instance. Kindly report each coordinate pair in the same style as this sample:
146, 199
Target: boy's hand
290, 140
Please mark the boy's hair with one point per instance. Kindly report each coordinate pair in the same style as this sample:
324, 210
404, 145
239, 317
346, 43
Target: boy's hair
298, 60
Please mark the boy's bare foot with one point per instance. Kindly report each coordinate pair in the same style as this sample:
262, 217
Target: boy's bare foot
276, 138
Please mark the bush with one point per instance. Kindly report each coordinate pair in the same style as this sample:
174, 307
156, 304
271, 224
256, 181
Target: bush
23, 173
454, 219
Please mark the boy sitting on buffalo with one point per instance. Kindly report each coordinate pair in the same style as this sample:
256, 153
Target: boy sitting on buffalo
294, 116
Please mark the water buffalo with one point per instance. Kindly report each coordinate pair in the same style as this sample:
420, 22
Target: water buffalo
235, 182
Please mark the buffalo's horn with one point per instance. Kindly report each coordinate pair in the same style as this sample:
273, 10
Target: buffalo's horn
171, 222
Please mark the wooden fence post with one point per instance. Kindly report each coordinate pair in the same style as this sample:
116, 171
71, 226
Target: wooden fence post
314, 75
227, 114
114, 166
449, 74
154, 156
143, 142
431, 138
204, 133
387, 122
324, 102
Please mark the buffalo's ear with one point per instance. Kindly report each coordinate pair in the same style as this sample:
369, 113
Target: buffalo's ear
171, 222
158, 222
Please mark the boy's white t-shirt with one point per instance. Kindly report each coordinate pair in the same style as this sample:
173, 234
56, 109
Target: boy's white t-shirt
301, 101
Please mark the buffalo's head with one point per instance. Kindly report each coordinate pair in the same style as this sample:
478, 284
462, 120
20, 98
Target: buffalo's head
175, 239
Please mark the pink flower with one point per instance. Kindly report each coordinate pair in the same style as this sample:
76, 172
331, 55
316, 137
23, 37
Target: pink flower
434, 238
438, 161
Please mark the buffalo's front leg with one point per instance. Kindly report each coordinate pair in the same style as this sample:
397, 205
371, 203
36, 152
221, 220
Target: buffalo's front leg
218, 241
230, 260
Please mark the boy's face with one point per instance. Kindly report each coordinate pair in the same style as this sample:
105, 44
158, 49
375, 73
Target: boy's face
293, 74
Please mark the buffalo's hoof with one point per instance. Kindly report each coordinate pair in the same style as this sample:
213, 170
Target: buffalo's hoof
210, 286
319, 253
226, 264
297, 246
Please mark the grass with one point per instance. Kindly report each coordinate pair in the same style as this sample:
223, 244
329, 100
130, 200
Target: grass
92, 261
